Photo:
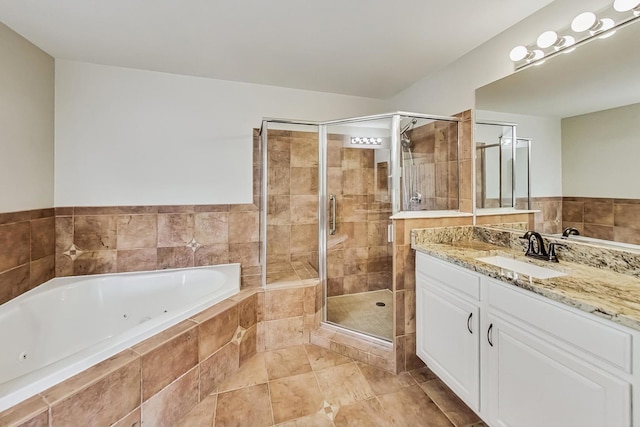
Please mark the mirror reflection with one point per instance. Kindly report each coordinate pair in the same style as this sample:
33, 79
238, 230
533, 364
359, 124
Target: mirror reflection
582, 111
502, 170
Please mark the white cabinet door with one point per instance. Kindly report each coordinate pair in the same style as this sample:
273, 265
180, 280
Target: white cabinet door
447, 338
532, 383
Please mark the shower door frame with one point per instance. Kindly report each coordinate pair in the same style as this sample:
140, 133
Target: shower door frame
394, 185
264, 200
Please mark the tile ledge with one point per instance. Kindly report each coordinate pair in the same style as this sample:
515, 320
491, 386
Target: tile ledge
504, 211
430, 214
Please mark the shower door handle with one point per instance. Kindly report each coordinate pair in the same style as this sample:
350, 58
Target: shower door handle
332, 201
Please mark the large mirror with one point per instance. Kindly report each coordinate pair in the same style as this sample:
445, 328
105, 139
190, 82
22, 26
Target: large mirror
582, 110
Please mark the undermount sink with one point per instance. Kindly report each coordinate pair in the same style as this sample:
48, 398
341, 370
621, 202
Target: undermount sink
522, 267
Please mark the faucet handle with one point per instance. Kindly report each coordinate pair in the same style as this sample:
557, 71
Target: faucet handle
552, 250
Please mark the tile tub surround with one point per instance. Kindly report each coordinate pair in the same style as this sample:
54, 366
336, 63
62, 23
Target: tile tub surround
601, 281
27, 247
161, 379
110, 239
311, 386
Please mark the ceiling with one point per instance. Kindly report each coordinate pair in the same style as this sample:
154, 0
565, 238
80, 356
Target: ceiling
369, 48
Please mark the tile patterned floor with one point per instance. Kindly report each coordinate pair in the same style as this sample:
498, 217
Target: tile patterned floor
310, 386
360, 312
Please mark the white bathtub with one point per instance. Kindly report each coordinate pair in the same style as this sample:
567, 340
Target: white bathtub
68, 324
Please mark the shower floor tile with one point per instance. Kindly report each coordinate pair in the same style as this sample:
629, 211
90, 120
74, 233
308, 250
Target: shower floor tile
360, 312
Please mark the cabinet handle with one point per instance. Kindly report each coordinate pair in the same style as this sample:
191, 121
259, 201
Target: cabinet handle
469, 323
489, 335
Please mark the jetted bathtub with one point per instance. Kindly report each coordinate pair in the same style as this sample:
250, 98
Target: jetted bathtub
69, 324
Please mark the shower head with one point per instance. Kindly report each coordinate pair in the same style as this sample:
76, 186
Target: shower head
408, 126
404, 138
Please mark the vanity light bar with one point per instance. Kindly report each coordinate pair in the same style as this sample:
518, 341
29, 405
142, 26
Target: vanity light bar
584, 27
357, 140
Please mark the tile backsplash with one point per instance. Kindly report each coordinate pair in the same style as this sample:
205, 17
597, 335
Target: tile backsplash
27, 244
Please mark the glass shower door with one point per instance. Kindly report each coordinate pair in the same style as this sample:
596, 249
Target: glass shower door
358, 197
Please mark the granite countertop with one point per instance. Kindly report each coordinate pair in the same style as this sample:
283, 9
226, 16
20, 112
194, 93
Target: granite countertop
613, 295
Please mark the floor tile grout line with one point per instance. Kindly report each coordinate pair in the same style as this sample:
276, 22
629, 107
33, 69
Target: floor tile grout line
273, 417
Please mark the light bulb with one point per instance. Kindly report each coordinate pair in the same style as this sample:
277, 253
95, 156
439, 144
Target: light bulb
518, 53
567, 41
547, 39
605, 24
583, 22
535, 55
625, 5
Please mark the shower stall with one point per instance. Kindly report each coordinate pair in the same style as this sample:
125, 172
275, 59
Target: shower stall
329, 192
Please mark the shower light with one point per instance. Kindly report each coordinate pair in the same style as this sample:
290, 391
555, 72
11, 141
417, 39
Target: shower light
357, 140
626, 5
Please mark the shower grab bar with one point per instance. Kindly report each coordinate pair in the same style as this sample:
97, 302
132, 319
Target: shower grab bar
332, 200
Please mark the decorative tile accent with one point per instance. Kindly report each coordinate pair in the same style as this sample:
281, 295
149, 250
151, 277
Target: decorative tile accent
193, 244
329, 410
239, 335
73, 252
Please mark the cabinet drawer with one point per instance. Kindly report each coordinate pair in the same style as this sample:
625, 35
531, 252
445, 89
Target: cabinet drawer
607, 343
454, 277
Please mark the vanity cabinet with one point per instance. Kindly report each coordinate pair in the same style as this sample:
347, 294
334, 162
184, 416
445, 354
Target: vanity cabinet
536, 362
448, 340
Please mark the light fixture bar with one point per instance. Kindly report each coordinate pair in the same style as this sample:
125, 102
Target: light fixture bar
584, 28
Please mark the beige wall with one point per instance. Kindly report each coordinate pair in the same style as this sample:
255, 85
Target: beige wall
26, 124
600, 153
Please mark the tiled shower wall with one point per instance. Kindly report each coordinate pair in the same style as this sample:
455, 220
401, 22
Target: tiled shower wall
359, 258
292, 201
435, 153
27, 240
